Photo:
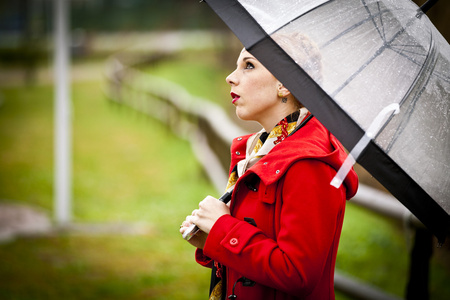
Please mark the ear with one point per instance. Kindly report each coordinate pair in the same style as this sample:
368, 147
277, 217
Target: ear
282, 90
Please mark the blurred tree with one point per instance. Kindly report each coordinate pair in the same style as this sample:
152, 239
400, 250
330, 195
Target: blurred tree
142, 15
23, 26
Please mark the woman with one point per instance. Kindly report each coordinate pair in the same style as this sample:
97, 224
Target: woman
279, 236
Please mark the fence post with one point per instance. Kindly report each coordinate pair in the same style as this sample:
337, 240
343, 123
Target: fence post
419, 266
63, 115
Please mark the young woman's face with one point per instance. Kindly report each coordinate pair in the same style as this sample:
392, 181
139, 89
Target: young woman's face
254, 90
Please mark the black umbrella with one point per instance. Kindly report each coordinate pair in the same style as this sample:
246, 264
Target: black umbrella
383, 90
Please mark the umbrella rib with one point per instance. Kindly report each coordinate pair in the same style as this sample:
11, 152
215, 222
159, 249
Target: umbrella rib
441, 76
381, 22
372, 17
401, 49
402, 53
356, 25
304, 13
406, 120
377, 53
429, 62
406, 45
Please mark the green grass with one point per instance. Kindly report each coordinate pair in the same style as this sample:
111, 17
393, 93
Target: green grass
126, 168
202, 75
26, 152
373, 248
107, 267
130, 168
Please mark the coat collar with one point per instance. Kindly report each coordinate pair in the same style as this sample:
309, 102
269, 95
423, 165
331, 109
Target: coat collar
313, 141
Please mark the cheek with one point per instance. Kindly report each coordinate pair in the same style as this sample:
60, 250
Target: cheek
267, 84
267, 92
263, 88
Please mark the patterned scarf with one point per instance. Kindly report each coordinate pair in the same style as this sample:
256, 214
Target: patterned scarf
262, 142
258, 145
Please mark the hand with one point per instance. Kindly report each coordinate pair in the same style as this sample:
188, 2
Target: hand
198, 240
210, 209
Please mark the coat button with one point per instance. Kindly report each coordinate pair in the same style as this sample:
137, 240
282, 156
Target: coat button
277, 171
265, 163
234, 242
239, 139
238, 153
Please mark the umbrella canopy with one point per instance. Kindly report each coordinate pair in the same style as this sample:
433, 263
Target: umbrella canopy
380, 83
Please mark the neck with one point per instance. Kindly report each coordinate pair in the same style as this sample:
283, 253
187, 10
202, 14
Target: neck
275, 118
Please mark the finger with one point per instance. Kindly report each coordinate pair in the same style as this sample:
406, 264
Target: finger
206, 200
183, 229
191, 220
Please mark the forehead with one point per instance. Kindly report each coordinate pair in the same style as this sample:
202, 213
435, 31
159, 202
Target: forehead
244, 53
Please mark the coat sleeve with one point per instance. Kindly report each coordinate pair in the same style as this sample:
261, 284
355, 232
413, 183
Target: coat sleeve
202, 259
310, 222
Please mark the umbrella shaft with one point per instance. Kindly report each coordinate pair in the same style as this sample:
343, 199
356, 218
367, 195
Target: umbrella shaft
427, 5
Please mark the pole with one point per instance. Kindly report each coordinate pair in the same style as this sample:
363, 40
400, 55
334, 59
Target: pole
419, 265
429, 4
62, 117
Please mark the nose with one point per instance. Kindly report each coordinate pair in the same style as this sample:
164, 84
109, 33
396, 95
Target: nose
231, 79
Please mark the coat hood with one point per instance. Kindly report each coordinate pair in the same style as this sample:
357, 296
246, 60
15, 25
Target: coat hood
313, 141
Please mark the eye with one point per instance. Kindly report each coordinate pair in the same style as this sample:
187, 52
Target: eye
249, 65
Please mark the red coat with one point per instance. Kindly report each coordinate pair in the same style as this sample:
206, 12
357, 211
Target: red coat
291, 252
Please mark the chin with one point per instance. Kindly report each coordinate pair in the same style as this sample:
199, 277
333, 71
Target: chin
242, 116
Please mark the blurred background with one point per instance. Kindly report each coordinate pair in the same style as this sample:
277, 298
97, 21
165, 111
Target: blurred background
148, 109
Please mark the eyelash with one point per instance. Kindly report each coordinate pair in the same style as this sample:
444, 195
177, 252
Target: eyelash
249, 65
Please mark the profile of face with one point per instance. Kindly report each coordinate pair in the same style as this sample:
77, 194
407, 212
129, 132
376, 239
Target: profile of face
255, 91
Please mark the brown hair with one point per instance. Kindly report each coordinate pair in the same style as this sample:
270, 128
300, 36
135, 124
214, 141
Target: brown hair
303, 51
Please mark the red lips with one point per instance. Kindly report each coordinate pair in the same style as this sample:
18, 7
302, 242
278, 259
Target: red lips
235, 97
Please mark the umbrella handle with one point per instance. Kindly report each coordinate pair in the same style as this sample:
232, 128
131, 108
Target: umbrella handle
371, 133
190, 232
193, 229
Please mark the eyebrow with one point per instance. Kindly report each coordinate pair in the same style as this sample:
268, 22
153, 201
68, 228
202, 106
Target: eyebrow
247, 58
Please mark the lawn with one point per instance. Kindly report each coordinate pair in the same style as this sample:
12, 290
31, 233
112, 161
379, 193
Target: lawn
127, 169
130, 169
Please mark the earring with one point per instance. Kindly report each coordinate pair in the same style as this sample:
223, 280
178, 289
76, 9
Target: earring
283, 98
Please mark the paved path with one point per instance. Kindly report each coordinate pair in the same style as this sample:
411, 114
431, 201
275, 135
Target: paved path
21, 220
78, 72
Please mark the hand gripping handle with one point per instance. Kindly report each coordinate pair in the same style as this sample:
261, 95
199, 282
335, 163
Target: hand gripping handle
193, 229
